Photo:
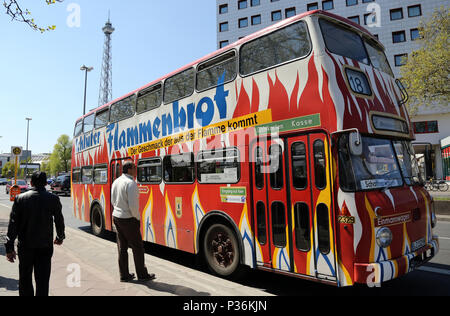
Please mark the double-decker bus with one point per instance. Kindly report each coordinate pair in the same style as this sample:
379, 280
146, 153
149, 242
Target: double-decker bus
287, 151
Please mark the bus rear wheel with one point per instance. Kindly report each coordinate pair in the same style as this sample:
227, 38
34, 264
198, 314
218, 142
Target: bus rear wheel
97, 221
221, 250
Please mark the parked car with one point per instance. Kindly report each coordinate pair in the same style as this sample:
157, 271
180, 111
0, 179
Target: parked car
23, 185
3, 181
61, 185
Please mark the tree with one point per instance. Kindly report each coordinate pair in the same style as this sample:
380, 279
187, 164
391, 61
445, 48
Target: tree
16, 13
45, 167
6, 169
61, 156
426, 73
9, 170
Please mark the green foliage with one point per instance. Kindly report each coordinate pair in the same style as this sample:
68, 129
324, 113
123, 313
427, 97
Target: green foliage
426, 73
9, 170
61, 157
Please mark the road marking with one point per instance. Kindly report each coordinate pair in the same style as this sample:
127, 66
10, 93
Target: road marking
434, 270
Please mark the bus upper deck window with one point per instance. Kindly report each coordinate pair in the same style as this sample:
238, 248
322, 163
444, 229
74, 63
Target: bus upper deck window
342, 41
78, 128
149, 98
217, 71
101, 118
122, 109
179, 86
281, 46
88, 123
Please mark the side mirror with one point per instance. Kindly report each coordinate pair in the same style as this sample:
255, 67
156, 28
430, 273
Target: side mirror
355, 144
404, 92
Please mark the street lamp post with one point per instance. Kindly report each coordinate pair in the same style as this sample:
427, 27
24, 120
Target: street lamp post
86, 70
26, 158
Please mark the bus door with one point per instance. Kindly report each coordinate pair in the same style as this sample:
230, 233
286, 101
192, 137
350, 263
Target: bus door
270, 204
311, 208
292, 205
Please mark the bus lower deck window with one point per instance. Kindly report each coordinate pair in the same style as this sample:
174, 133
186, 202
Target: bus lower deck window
179, 168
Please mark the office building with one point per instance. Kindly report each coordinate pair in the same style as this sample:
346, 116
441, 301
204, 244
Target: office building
396, 26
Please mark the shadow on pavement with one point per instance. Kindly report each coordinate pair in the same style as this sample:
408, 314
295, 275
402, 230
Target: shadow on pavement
9, 284
171, 288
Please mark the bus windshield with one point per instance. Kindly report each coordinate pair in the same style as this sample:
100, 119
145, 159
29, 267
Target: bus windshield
383, 164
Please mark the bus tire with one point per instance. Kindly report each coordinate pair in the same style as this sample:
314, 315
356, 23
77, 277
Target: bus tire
221, 251
97, 221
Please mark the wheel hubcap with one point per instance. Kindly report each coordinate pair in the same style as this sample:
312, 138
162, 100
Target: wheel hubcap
222, 249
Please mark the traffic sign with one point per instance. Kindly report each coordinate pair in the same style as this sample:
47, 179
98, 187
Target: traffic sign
16, 151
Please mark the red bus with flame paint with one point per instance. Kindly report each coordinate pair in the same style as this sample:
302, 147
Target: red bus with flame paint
287, 151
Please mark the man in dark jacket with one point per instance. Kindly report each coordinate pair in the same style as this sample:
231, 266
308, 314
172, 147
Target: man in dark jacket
31, 221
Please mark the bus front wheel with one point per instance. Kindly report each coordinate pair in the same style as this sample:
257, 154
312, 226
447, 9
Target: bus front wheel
221, 250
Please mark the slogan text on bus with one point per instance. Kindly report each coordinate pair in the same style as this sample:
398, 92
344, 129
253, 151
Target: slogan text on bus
181, 118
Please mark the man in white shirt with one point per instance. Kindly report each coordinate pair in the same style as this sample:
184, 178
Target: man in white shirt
126, 216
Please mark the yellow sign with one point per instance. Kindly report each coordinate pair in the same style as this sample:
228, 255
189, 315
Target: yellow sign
179, 206
16, 151
237, 124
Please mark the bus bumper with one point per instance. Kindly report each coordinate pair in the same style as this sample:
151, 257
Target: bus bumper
373, 274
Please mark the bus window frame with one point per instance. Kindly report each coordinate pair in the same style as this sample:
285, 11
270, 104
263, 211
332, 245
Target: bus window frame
219, 150
147, 91
178, 73
178, 183
367, 41
213, 64
311, 48
84, 125
133, 100
73, 178
162, 170
101, 112
100, 166
364, 38
347, 27
92, 178
75, 128
386, 132
293, 157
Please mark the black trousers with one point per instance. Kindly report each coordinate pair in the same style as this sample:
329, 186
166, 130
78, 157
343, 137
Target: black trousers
129, 236
39, 260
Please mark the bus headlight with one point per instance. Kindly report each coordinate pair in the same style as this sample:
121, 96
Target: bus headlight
384, 237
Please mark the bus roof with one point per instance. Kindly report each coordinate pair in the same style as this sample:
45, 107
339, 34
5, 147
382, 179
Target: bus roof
257, 34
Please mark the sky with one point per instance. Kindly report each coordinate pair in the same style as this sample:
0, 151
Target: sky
40, 76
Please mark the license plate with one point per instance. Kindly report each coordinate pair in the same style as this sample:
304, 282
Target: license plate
416, 245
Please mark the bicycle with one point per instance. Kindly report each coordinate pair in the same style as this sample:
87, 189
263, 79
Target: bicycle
437, 185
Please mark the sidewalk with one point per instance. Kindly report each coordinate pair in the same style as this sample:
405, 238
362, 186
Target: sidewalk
96, 260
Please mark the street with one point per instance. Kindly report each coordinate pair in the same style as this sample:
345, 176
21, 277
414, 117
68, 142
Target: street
431, 279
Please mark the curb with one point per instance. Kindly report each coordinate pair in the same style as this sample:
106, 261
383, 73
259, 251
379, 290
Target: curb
443, 218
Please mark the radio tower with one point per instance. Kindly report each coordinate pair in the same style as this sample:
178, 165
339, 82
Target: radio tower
105, 94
